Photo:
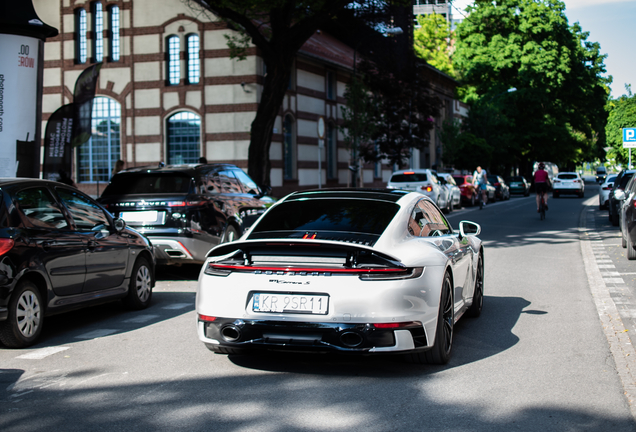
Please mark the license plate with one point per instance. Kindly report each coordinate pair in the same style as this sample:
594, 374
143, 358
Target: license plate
140, 216
290, 303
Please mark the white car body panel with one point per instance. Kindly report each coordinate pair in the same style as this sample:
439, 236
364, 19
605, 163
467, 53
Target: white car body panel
352, 300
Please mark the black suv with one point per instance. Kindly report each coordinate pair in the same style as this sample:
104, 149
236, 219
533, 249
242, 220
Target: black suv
619, 184
60, 250
186, 210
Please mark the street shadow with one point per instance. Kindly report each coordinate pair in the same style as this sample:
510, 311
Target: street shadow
178, 273
474, 340
78, 325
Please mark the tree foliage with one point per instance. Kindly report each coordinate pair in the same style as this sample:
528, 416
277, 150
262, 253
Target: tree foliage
432, 41
557, 112
622, 114
279, 28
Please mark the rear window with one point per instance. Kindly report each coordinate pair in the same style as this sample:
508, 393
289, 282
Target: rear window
409, 178
459, 180
515, 179
148, 183
568, 176
323, 217
625, 179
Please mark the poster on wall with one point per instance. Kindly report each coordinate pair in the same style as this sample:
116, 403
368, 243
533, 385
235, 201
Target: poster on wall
18, 98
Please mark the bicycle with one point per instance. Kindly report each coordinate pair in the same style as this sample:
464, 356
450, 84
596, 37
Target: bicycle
542, 206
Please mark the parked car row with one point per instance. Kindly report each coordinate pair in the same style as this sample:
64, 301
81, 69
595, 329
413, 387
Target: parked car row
448, 191
61, 250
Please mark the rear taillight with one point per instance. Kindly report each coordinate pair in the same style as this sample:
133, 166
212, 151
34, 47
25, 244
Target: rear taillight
577, 181
497, 184
176, 203
364, 273
426, 188
6, 245
206, 318
607, 188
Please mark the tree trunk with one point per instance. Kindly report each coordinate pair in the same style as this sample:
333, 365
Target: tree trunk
274, 89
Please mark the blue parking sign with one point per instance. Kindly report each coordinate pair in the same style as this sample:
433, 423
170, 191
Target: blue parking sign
629, 137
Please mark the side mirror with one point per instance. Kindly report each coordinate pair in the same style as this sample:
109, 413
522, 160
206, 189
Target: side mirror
264, 190
119, 224
619, 195
469, 228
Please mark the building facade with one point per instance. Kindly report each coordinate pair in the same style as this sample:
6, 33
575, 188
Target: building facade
169, 92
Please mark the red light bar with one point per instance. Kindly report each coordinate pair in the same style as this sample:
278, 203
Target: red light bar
309, 236
408, 172
6, 245
306, 269
207, 318
176, 204
395, 324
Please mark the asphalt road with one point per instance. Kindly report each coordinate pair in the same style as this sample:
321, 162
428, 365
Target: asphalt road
537, 359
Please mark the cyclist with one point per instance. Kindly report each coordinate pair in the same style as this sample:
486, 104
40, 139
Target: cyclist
479, 181
542, 184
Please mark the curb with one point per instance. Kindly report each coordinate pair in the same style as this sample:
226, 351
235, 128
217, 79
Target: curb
620, 345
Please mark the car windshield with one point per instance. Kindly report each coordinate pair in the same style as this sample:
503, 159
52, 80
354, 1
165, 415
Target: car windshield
147, 183
611, 179
567, 176
409, 177
288, 219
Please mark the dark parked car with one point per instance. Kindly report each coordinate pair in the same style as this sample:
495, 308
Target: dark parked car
518, 185
502, 191
619, 184
186, 210
60, 250
601, 174
627, 212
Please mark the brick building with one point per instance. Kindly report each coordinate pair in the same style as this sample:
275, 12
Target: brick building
168, 91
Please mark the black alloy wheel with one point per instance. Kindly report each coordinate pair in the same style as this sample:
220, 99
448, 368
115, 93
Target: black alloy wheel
26, 317
230, 234
478, 296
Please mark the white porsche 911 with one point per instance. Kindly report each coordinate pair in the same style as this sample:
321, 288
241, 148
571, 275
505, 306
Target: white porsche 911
343, 270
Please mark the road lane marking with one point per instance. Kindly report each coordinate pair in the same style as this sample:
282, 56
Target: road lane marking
96, 334
177, 306
41, 353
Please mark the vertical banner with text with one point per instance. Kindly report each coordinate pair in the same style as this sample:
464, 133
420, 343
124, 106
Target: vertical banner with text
18, 100
57, 143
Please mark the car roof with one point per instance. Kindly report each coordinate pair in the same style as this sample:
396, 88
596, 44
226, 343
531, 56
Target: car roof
20, 180
392, 195
183, 168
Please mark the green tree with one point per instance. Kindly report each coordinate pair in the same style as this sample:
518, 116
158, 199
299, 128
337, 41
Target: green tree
622, 114
432, 41
279, 28
557, 112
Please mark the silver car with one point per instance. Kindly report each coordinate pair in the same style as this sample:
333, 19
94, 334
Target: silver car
454, 191
423, 181
605, 189
568, 183
350, 271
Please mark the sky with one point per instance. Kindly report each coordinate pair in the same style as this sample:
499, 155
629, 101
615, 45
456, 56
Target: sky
612, 23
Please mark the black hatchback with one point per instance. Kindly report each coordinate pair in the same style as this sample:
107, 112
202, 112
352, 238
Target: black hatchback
186, 210
60, 250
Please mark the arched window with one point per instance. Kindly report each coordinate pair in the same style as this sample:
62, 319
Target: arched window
193, 59
114, 28
332, 151
98, 32
174, 71
80, 36
288, 148
184, 138
97, 156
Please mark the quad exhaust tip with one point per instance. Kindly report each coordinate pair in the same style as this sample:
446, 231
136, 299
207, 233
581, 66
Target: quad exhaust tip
231, 333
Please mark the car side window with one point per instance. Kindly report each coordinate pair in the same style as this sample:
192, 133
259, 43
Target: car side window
86, 214
248, 184
38, 209
436, 224
469, 179
416, 221
229, 183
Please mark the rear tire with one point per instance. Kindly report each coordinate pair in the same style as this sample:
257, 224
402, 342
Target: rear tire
614, 220
441, 351
478, 296
631, 252
555, 194
230, 234
472, 200
623, 241
26, 317
140, 287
